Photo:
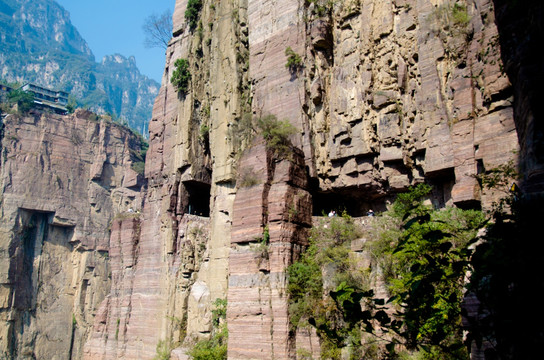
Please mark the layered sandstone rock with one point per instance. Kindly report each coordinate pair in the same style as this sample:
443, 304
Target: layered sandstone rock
174, 280
408, 93
389, 94
63, 178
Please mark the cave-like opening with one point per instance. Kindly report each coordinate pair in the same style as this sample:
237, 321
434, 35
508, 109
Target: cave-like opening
354, 202
198, 198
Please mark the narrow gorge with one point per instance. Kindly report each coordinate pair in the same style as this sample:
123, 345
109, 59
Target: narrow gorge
101, 262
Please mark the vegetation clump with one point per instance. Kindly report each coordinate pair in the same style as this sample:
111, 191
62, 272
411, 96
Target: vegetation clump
23, 99
276, 133
294, 60
321, 7
424, 255
324, 267
163, 350
214, 348
181, 76
192, 13
427, 255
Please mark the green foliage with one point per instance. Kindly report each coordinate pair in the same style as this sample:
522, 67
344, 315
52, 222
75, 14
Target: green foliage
219, 312
329, 249
460, 14
294, 60
428, 262
24, 100
181, 76
72, 104
117, 329
163, 349
452, 16
321, 7
427, 255
276, 133
192, 13
204, 132
214, 348
139, 167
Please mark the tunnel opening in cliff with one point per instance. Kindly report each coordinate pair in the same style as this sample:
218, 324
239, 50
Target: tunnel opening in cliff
198, 198
354, 202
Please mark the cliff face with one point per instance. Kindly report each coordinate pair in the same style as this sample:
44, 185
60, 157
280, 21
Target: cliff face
387, 95
384, 94
63, 179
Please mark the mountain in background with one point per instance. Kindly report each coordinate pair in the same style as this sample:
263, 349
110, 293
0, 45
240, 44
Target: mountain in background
40, 45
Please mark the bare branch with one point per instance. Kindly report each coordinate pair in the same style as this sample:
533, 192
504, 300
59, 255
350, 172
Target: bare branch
158, 30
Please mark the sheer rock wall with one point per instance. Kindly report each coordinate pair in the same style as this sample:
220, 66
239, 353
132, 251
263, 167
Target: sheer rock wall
63, 178
388, 94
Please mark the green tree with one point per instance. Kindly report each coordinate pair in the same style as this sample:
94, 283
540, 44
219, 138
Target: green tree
181, 76
192, 13
276, 133
429, 287
428, 252
294, 60
72, 104
329, 249
23, 99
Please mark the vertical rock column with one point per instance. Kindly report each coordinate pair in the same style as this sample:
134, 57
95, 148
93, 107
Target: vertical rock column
270, 223
271, 217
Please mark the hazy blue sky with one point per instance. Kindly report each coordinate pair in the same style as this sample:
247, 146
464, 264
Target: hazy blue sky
115, 26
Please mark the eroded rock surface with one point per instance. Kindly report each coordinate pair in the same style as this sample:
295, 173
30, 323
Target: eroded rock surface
384, 94
63, 179
387, 94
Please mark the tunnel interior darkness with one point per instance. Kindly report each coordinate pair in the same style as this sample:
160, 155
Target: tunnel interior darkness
198, 194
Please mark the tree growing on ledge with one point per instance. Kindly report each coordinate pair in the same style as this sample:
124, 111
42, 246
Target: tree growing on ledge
181, 76
158, 30
192, 12
294, 60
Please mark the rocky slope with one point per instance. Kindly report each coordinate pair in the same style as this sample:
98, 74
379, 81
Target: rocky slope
387, 95
40, 45
63, 179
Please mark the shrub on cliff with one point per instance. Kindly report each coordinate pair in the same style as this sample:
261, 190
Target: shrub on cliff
192, 12
214, 348
276, 133
24, 100
294, 60
426, 253
323, 267
429, 260
181, 76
